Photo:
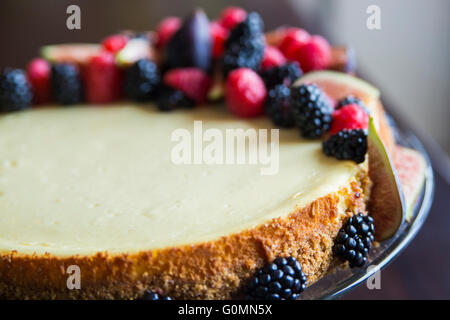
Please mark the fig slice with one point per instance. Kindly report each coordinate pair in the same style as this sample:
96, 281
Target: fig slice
386, 204
411, 168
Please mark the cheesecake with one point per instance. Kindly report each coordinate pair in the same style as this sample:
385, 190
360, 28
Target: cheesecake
113, 198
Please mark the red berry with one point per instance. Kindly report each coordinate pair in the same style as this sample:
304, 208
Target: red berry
351, 116
245, 93
166, 29
232, 16
219, 35
103, 79
272, 58
314, 55
114, 43
193, 82
292, 39
38, 72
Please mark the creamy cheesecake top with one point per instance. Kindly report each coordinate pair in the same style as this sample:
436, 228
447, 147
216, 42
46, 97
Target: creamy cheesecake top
85, 179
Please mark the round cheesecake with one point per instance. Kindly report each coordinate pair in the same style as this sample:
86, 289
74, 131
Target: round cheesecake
98, 187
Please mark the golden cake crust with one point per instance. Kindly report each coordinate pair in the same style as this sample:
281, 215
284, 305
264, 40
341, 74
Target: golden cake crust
210, 270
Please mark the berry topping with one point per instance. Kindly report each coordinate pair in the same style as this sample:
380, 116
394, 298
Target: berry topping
166, 29
312, 110
245, 93
272, 58
350, 116
114, 43
193, 82
314, 55
141, 80
38, 73
232, 16
15, 90
151, 295
292, 39
350, 100
285, 74
347, 145
66, 84
278, 106
190, 46
103, 79
219, 35
170, 99
244, 47
354, 240
280, 280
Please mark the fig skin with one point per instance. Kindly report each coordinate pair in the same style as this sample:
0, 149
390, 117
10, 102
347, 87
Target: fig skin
190, 46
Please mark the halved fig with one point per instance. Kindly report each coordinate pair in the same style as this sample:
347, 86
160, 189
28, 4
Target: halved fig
386, 204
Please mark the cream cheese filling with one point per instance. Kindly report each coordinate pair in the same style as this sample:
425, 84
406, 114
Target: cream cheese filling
86, 179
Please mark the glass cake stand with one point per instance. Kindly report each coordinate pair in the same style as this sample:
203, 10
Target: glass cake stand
343, 279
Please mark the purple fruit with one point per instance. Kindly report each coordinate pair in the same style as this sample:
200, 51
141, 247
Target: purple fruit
190, 46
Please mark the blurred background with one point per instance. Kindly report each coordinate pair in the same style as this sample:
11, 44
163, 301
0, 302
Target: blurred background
408, 59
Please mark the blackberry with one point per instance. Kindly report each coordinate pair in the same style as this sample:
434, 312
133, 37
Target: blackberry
280, 280
15, 90
312, 110
151, 295
354, 240
285, 74
170, 99
347, 145
278, 106
351, 100
66, 84
142, 80
244, 48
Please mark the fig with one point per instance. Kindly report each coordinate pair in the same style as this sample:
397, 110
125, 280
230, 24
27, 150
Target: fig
386, 204
190, 46
134, 50
343, 59
77, 53
411, 167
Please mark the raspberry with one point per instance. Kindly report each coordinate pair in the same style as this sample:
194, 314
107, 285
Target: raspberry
114, 43
272, 58
314, 55
231, 17
351, 116
166, 29
292, 39
38, 72
103, 79
193, 82
219, 35
245, 93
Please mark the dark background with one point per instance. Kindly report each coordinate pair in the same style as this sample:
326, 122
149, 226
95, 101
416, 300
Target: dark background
422, 270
